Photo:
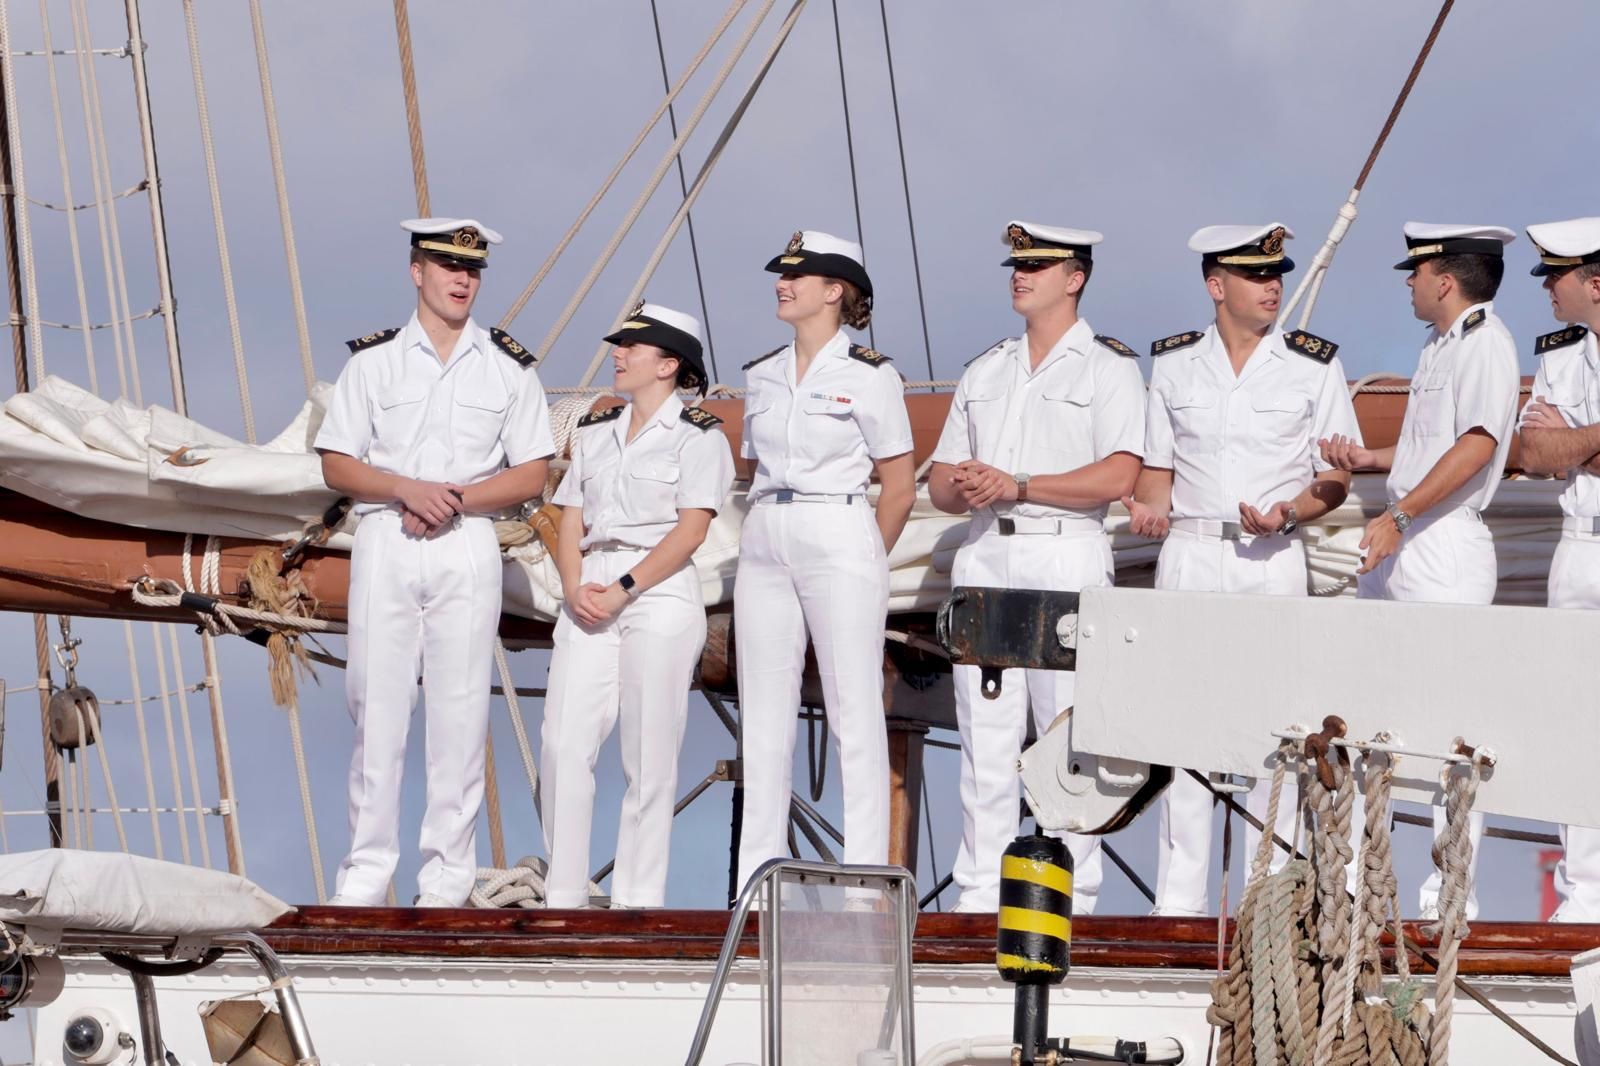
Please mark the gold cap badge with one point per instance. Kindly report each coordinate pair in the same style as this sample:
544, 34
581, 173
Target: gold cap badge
796, 243
466, 237
1273, 242
1020, 241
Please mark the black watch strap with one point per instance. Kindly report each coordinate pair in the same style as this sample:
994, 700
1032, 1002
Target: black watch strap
627, 583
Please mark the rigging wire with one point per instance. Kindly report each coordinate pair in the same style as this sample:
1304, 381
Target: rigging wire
850, 149
683, 187
583, 216
700, 179
905, 185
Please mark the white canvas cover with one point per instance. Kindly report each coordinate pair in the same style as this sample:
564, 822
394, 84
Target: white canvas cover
112, 892
155, 469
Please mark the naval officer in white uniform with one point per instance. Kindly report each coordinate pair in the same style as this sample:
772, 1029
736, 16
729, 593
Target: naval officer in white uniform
1232, 468
1044, 431
645, 481
433, 428
1431, 545
822, 416
1561, 435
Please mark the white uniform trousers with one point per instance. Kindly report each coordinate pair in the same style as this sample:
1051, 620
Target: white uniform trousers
1448, 559
635, 669
817, 568
434, 605
1575, 584
993, 731
1271, 566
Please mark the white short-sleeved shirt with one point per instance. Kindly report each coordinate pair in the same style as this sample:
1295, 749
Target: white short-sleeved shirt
1239, 438
403, 411
1569, 380
1466, 377
822, 434
1083, 403
631, 491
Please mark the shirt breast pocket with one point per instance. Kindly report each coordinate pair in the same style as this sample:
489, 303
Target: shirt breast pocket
1284, 418
1196, 421
763, 424
830, 420
1431, 400
1066, 437
653, 491
400, 412
985, 414
480, 415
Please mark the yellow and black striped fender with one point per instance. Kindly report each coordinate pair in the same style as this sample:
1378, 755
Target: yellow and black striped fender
1035, 920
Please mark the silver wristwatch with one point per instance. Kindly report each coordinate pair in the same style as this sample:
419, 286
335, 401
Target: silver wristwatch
1022, 486
1402, 521
1291, 521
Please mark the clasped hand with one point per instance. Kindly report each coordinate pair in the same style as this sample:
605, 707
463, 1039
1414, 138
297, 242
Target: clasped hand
594, 604
981, 484
427, 506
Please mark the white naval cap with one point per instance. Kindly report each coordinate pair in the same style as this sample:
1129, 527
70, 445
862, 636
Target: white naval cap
675, 332
1034, 243
464, 240
812, 251
1565, 244
1424, 240
1252, 248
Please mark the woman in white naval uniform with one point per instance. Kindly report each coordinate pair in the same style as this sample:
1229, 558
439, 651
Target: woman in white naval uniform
1430, 545
433, 428
646, 480
821, 415
1232, 467
1044, 431
1560, 428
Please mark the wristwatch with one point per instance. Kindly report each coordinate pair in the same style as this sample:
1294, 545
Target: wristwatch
628, 585
1291, 521
1022, 486
1402, 521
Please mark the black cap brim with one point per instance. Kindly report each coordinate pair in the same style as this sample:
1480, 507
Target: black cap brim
1015, 261
455, 261
674, 342
824, 265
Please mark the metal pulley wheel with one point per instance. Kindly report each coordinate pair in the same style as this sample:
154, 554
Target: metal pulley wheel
74, 715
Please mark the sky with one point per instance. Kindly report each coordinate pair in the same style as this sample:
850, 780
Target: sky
1145, 120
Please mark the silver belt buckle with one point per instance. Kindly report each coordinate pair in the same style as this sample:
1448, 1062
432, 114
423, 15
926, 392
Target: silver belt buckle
1006, 526
1231, 531
783, 496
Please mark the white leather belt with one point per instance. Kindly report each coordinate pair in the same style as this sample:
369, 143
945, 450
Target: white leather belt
791, 496
1587, 526
1210, 529
1009, 526
613, 546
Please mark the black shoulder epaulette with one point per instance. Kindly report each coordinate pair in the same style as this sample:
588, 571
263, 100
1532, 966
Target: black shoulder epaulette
1311, 346
1473, 320
1116, 345
595, 418
1559, 339
868, 355
763, 358
508, 344
987, 350
700, 418
361, 343
1174, 342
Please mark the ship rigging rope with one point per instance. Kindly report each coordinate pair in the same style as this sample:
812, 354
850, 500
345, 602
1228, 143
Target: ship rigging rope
144, 736
583, 216
230, 301
850, 152
286, 220
20, 194
72, 216
1311, 285
115, 266
408, 85
905, 187
645, 195
699, 185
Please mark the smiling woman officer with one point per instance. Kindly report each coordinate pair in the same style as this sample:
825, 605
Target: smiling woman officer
646, 480
821, 415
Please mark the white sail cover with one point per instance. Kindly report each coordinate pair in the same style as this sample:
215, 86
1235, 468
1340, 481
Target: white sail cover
155, 469
117, 893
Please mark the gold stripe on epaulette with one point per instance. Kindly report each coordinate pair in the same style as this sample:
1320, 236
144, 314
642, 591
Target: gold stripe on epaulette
1036, 871
1017, 920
